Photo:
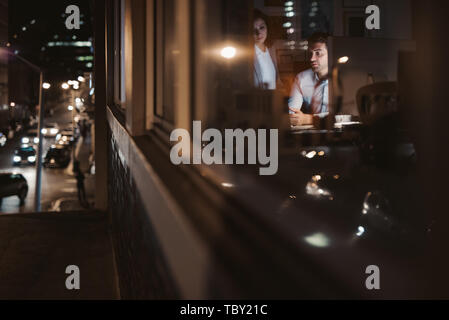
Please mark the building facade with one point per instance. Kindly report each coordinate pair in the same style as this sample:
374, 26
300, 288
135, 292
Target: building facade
223, 231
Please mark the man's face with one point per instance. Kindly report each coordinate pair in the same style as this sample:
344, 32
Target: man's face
318, 57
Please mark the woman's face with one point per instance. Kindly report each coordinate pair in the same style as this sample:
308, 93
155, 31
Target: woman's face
260, 31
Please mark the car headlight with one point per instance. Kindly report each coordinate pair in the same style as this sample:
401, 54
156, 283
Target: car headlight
36, 140
54, 131
31, 158
17, 159
25, 140
44, 131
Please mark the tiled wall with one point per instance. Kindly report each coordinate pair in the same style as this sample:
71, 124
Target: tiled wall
143, 273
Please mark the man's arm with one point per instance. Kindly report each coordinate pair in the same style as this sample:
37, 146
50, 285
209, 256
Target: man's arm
297, 117
296, 98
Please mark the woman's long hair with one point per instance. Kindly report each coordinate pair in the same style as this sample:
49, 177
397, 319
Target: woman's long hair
257, 14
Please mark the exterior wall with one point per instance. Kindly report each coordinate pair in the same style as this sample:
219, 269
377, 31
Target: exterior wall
141, 266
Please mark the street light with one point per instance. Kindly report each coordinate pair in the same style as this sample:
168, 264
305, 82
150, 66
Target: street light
81, 79
65, 86
70, 108
46, 85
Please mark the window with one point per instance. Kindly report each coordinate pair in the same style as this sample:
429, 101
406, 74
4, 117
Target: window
116, 52
168, 52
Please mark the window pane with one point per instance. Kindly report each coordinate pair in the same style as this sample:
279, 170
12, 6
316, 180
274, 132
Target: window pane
171, 51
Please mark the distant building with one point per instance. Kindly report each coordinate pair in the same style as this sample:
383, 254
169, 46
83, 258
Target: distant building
4, 108
38, 33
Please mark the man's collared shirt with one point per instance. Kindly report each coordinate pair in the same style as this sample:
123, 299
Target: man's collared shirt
309, 94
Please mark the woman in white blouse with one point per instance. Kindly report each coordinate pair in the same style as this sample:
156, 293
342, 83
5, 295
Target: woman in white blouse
266, 75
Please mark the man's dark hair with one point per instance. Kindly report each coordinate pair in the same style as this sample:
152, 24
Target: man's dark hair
320, 37
257, 14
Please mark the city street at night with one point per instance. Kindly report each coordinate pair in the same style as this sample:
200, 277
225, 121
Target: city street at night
56, 183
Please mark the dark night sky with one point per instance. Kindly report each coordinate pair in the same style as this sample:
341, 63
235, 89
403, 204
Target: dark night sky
49, 25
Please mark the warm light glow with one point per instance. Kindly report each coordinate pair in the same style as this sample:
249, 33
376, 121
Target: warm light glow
311, 154
317, 240
228, 52
46, 86
227, 185
70, 108
343, 59
65, 86
12, 104
81, 79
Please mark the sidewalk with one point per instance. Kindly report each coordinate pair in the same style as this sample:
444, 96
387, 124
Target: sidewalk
35, 250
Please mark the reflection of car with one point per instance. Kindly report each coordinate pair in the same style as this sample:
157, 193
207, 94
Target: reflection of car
50, 130
12, 184
24, 155
58, 156
31, 137
2, 139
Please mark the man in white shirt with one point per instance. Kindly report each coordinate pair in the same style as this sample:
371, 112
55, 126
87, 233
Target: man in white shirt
310, 91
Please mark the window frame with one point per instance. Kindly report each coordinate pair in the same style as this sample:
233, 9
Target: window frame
155, 60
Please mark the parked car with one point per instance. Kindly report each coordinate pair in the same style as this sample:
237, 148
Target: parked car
3, 139
12, 184
65, 137
58, 156
26, 155
50, 130
31, 137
